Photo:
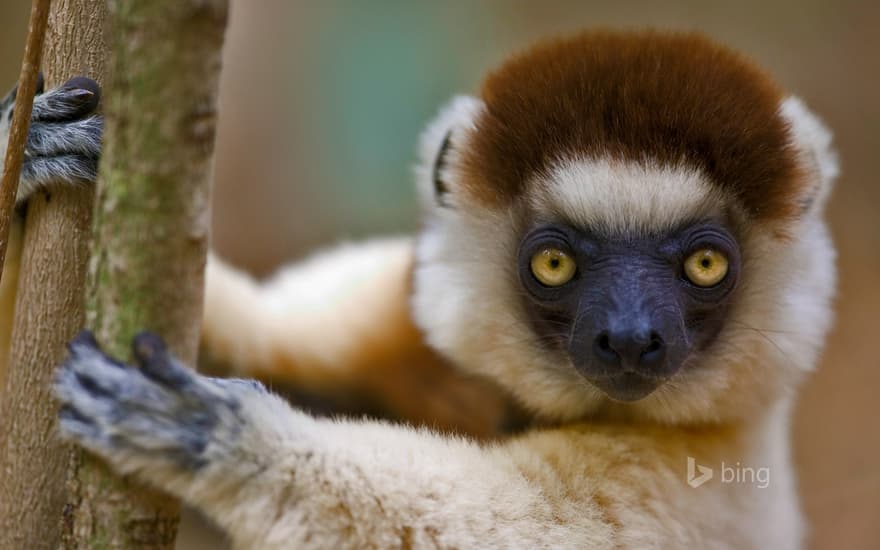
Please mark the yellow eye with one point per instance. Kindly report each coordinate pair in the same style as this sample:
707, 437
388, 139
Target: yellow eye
706, 267
553, 267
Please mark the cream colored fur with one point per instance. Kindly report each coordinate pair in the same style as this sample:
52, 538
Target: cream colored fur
615, 197
300, 482
320, 311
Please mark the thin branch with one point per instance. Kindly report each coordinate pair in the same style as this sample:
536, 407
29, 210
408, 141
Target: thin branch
21, 118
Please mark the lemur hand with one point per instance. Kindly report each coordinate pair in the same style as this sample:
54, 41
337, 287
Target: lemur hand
159, 415
64, 141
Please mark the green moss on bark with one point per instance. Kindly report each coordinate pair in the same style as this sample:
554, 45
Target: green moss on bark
150, 228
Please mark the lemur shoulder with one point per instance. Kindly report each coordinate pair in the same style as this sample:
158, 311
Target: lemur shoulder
622, 231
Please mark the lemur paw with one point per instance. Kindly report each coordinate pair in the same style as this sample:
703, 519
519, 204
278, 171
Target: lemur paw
64, 140
159, 413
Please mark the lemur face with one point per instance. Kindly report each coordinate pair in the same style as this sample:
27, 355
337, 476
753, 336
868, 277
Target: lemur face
628, 310
627, 223
631, 270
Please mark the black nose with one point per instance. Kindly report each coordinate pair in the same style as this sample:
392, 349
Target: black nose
629, 348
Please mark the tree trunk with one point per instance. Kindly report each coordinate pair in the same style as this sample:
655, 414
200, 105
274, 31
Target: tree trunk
150, 237
151, 227
49, 310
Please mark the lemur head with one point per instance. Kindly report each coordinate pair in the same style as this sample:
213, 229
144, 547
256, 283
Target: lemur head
628, 223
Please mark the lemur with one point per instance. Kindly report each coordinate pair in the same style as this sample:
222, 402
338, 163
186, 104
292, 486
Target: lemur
623, 231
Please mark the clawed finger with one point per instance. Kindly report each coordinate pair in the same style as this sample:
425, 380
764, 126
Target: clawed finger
157, 363
77, 98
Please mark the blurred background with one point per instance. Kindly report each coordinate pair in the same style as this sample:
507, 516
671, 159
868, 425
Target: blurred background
322, 103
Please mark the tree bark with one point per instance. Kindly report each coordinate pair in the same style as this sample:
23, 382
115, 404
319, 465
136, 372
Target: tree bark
150, 228
150, 236
49, 310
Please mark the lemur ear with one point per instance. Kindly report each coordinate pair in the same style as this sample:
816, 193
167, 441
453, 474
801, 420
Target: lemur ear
816, 152
439, 147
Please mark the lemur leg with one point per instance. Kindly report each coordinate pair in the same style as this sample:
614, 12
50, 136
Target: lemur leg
274, 477
337, 330
63, 146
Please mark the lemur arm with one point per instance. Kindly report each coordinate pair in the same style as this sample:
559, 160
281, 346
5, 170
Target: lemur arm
274, 477
336, 332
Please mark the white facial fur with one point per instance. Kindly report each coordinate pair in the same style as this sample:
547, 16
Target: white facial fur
468, 299
614, 197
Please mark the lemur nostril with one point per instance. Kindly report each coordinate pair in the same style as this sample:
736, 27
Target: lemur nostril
654, 344
653, 354
604, 350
